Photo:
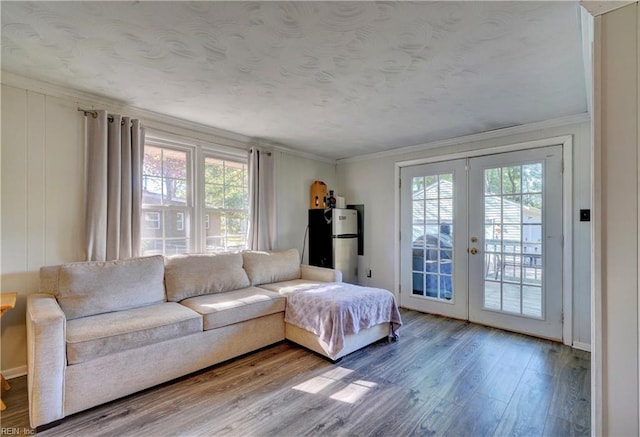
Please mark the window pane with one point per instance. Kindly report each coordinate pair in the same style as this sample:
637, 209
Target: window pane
214, 196
214, 233
532, 301
446, 186
152, 161
418, 236
492, 295
227, 231
236, 227
174, 175
532, 178
511, 298
431, 187
511, 209
418, 212
175, 224
511, 180
214, 171
165, 176
165, 232
234, 198
532, 208
492, 180
417, 188
418, 284
152, 224
234, 174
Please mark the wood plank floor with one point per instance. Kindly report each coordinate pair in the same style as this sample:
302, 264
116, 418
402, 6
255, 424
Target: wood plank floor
443, 377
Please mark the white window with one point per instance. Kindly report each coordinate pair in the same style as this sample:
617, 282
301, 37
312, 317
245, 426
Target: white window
195, 198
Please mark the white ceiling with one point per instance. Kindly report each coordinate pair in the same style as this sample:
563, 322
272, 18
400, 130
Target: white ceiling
336, 79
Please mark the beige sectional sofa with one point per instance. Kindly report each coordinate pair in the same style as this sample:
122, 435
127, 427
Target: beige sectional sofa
98, 331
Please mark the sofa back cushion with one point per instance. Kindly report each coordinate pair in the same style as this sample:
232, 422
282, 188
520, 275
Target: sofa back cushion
196, 275
49, 279
89, 288
268, 267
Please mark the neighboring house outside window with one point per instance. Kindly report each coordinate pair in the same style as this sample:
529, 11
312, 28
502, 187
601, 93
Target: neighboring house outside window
180, 221
183, 182
152, 220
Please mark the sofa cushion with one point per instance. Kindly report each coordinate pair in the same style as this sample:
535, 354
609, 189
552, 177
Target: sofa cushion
195, 275
285, 287
267, 267
235, 306
103, 334
49, 279
90, 288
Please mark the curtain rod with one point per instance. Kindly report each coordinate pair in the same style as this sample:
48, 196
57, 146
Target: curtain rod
94, 114
89, 111
268, 153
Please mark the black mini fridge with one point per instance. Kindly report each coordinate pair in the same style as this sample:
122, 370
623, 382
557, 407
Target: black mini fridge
333, 241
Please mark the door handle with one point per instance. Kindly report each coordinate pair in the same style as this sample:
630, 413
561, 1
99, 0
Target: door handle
473, 251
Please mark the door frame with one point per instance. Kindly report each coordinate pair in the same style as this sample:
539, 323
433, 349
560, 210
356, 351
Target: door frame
566, 141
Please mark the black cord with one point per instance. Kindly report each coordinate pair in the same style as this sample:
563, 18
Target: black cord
304, 243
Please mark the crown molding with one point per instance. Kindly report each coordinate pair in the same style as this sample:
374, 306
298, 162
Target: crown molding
283, 148
154, 120
482, 136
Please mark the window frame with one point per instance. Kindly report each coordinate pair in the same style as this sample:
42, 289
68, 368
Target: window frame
194, 212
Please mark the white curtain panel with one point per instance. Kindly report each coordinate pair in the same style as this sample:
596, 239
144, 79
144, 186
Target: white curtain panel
115, 147
262, 200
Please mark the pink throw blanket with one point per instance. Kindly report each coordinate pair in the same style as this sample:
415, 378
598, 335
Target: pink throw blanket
336, 309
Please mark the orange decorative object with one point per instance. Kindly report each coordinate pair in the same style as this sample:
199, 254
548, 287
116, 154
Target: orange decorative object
318, 195
7, 302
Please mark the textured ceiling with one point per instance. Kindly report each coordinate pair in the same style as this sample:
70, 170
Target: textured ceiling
337, 79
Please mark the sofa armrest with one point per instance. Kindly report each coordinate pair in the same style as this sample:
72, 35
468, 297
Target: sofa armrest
321, 274
46, 358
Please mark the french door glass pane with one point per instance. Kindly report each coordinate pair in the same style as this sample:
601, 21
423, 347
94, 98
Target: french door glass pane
432, 239
513, 239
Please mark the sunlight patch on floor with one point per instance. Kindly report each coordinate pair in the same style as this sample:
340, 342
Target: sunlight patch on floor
353, 392
349, 394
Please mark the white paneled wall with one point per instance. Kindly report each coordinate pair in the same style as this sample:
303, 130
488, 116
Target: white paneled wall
42, 200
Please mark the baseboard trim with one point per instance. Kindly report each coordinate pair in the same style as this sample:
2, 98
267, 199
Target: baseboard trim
582, 346
15, 372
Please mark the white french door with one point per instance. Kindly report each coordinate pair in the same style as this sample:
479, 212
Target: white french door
433, 238
486, 240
